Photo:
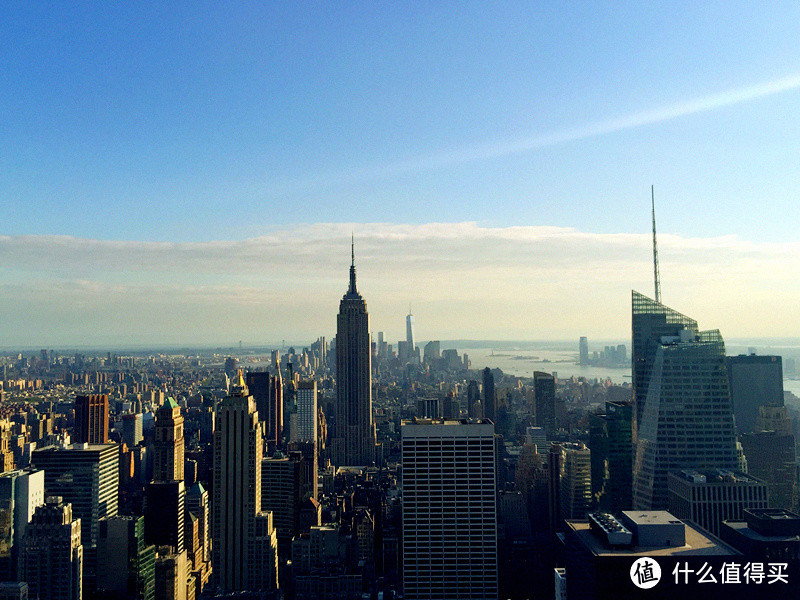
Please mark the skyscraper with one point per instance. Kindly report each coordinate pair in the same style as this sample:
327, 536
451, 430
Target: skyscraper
20, 493
575, 480
449, 510
86, 476
754, 381
544, 389
489, 399
241, 531
612, 458
91, 419
125, 562
583, 351
650, 321
169, 445
410, 331
53, 558
306, 411
267, 390
354, 433
685, 421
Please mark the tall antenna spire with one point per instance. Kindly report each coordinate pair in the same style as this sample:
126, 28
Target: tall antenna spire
352, 289
656, 274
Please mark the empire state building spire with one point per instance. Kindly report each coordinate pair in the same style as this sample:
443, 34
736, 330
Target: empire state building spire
352, 290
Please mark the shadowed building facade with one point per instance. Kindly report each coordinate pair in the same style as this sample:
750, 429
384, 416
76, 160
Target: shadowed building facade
354, 434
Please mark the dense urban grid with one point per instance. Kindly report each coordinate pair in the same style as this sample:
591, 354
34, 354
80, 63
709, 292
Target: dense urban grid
353, 469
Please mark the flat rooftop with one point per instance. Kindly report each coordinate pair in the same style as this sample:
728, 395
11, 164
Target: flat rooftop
651, 517
744, 529
697, 543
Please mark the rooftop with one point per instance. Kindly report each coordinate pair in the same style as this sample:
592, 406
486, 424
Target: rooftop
697, 543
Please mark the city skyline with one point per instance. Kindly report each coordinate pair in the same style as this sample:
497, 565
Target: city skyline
185, 177
220, 293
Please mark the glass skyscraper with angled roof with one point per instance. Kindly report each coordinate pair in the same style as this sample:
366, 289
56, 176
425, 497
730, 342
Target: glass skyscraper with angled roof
683, 406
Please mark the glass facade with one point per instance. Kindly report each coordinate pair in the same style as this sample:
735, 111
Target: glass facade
685, 420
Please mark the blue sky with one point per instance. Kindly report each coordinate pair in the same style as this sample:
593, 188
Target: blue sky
208, 124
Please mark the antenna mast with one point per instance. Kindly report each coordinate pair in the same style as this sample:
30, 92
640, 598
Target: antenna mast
656, 275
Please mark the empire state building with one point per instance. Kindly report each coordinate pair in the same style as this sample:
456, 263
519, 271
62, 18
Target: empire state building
354, 433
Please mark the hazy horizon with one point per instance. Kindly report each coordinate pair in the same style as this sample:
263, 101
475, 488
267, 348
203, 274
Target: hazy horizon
191, 175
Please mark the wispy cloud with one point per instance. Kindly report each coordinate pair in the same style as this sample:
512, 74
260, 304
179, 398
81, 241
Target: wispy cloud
464, 280
499, 149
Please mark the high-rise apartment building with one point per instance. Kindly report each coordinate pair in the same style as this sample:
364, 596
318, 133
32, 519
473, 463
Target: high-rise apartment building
169, 446
53, 556
91, 419
449, 510
353, 438
685, 421
242, 539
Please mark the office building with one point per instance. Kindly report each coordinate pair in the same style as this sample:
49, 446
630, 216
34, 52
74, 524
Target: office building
165, 513
306, 412
91, 419
771, 458
449, 510
267, 391
686, 420
583, 351
125, 563
651, 321
241, 538
168, 448
132, 424
766, 534
14, 590
432, 351
281, 494
197, 504
601, 555
87, 477
171, 575
489, 395
353, 437
53, 555
575, 480
710, 497
544, 390
612, 457
754, 381
21, 492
